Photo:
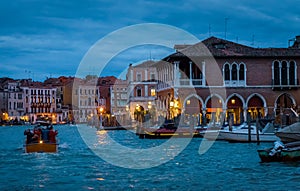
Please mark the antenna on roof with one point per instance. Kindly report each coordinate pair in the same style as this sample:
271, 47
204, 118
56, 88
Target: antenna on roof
252, 43
226, 19
209, 30
150, 55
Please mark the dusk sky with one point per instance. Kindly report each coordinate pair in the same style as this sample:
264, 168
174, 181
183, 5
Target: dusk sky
40, 39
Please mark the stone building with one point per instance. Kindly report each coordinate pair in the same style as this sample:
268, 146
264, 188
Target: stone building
142, 82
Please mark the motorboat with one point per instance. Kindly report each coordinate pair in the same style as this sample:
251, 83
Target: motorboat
267, 134
290, 133
41, 139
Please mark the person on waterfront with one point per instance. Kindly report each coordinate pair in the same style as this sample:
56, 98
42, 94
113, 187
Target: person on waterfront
52, 135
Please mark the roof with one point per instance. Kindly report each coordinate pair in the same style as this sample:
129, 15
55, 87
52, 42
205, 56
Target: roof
218, 47
145, 64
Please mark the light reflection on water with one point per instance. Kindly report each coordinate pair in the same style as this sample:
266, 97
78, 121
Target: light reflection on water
75, 167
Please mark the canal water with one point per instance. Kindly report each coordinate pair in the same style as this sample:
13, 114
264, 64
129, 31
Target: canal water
78, 166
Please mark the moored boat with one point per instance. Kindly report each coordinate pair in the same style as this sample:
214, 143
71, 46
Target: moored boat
267, 134
41, 139
280, 152
289, 133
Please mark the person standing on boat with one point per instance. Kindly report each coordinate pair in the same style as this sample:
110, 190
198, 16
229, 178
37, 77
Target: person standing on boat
52, 135
29, 135
45, 134
37, 135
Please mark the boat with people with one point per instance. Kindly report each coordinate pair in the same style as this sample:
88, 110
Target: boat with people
280, 152
242, 134
42, 138
290, 133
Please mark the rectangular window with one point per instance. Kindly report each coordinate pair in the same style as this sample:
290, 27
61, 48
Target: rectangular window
153, 92
138, 77
152, 77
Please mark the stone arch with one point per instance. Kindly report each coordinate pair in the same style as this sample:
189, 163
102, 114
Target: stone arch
190, 96
282, 101
256, 105
214, 109
235, 105
193, 107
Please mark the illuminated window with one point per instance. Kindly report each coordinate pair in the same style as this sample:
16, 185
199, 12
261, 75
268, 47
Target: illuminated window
153, 92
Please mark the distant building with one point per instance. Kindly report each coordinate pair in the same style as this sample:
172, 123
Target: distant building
4, 116
86, 100
142, 84
119, 107
39, 101
104, 86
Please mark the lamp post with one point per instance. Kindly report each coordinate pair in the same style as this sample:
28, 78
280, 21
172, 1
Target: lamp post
128, 118
171, 108
101, 109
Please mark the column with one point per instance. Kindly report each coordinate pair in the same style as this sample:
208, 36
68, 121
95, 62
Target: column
203, 74
191, 77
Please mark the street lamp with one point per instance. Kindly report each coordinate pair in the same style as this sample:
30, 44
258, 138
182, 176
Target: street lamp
101, 109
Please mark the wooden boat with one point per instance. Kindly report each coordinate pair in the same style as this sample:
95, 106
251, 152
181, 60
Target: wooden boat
41, 139
289, 133
166, 131
41, 147
281, 152
242, 135
165, 134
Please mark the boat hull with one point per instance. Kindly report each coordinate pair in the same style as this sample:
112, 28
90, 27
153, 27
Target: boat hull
41, 147
167, 135
211, 135
243, 137
288, 136
265, 156
285, 155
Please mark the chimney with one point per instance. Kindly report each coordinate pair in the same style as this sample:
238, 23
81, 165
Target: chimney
296, 41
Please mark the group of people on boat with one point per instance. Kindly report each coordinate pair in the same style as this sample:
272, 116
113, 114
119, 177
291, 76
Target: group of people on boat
39, 133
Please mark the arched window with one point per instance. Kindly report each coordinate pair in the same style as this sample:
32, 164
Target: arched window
138, 92
276, 73
284, 73
234, 72
242, 72
226, 72
292, 73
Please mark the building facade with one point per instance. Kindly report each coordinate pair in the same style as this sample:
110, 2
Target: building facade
119, 107
217, 79
142, 84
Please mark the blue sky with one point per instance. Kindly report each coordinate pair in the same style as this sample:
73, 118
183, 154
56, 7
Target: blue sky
40, 39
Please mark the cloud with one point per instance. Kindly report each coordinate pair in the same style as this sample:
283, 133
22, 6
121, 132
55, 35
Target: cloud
59, 33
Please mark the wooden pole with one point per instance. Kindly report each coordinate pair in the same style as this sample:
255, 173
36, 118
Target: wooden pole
257, 131
249, 128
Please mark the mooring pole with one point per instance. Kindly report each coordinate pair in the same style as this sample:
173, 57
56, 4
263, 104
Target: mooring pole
257, 132
249, 127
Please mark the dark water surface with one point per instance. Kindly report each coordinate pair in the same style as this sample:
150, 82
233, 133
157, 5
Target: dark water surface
224, 166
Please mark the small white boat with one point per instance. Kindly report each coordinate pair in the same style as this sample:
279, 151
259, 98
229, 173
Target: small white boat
242, 134
214, 134
289, 133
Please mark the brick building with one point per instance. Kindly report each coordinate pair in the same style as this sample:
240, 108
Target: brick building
216, 78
